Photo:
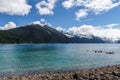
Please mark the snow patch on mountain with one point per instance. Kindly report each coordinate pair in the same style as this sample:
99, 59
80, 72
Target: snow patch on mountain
108, 33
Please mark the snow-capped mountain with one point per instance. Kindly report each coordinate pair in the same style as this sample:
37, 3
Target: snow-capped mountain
107, 34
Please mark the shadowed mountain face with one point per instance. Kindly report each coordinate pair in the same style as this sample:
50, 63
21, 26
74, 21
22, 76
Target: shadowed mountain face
77, 39
41, 34
7, 37
119, 41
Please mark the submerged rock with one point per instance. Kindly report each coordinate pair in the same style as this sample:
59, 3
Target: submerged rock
110, 52
100, 51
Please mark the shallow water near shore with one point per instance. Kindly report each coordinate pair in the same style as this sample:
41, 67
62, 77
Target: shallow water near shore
18, 59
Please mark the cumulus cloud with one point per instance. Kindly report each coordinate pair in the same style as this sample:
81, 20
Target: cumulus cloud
95, 6
46, 7
81, 14
109, 32
112, 25
68, 4
9, 25
98, 6
14, 7
60, 29
42, 22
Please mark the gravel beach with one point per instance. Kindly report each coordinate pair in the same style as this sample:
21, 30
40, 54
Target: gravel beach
103, 73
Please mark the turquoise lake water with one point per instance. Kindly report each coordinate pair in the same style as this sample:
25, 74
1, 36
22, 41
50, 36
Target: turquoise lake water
16, 59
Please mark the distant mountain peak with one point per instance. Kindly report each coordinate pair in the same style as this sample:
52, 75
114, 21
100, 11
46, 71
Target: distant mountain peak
35, 33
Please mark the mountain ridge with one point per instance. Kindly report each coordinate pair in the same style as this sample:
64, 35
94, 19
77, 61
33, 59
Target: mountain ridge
35, 33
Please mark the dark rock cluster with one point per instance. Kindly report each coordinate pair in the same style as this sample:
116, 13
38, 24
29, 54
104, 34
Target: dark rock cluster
100, 51
104, 73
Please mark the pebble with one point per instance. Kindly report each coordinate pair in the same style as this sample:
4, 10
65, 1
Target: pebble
103, 73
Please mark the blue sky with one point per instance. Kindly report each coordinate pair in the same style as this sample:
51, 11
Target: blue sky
99, 18
63, 15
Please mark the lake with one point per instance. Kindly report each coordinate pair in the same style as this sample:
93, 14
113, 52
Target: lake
17, 59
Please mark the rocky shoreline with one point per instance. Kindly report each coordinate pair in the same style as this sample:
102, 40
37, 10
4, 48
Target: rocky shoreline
103, 73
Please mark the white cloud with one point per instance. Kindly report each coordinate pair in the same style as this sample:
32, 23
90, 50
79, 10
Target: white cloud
46, 8
81, 14
14, 7
60, 29
68, 4
42, 22
104, 32
98, 6
112, 25
95, 6
9, 25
